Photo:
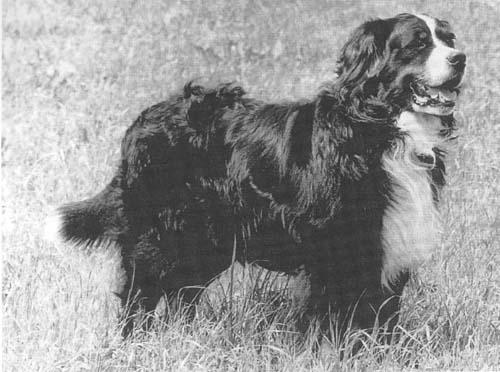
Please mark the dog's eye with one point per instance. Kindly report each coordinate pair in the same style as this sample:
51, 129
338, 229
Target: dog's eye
421, 41
450, 40
421, 44
447, 37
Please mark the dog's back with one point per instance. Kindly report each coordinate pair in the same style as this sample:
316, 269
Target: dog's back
161, 151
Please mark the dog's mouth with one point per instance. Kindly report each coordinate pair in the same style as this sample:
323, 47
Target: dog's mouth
442, 97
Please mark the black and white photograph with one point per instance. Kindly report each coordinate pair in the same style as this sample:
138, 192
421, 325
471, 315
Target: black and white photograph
250, 185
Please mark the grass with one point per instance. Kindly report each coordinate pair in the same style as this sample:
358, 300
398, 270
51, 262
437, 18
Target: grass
76, 73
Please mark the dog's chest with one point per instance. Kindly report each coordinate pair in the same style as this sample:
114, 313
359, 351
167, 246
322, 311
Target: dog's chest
411, 222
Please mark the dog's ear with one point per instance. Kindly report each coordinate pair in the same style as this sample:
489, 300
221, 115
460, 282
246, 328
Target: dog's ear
361, 55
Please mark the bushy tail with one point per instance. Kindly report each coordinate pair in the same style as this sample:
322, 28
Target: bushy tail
91, 221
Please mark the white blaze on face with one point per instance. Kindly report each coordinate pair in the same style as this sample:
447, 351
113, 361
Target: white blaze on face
438, 69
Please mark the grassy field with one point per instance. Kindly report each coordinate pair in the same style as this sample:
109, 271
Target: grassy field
76, 73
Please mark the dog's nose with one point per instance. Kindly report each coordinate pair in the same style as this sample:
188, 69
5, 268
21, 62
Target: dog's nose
457, 61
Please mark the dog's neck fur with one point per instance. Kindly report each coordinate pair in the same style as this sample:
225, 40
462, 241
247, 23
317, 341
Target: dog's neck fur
411, 223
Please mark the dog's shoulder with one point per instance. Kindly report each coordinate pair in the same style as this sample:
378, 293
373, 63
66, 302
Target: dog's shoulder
268, 140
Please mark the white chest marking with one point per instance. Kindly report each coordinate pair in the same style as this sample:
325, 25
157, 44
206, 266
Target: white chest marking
411, 223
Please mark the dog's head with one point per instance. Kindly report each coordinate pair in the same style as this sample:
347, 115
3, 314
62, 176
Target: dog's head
409, 61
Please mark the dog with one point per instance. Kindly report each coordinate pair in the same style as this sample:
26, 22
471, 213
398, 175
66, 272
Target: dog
344, 185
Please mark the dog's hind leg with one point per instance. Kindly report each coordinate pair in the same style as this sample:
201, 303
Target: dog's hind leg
176, 264
188, 277
142, 290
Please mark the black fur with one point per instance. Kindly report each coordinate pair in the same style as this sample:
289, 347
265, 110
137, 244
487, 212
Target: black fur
295, 184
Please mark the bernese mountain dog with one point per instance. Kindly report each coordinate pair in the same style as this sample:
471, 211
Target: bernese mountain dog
343, 185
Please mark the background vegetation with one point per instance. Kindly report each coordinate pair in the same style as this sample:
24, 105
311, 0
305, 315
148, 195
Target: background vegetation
76, 73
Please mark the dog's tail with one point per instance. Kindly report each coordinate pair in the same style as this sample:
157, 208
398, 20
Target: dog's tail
89, 222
